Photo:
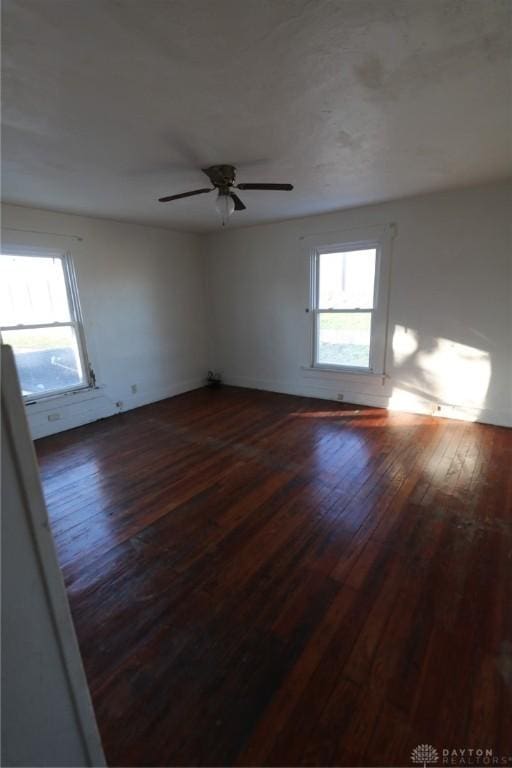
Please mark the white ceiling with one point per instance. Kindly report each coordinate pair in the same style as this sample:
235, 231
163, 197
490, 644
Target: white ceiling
110, 104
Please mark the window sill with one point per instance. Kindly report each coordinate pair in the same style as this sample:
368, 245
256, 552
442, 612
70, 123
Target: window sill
58, 395
344, 371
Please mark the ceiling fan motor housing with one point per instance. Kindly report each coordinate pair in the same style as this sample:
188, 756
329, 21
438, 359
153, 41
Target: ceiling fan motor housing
221, 176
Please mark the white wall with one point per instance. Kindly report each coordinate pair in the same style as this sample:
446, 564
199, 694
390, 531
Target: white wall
450, 321
155, 317
142, 293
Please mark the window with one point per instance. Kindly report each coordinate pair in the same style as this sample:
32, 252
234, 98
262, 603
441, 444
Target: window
344, 307
349, 298
40, 319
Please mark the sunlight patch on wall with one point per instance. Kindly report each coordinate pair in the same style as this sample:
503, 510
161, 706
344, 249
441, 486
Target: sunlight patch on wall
405, 344
462, 373
438, 374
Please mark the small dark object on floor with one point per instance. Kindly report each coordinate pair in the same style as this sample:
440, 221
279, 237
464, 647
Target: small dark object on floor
213, 379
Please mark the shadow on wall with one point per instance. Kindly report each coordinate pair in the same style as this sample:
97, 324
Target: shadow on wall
438, 374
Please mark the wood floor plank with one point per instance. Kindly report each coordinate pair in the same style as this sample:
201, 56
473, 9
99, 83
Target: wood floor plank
263, 579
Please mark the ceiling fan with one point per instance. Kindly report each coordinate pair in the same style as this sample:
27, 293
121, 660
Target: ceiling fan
223, 179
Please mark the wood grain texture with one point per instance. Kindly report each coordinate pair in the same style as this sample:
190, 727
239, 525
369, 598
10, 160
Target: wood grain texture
261, 579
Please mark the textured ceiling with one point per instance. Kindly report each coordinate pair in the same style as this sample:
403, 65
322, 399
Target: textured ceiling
109, 104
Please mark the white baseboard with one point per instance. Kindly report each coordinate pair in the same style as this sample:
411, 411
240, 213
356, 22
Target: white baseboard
309, 388
153, 396
90, 406
327, 391
93, 405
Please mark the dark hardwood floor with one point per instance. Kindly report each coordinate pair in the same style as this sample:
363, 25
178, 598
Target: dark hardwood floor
261, 579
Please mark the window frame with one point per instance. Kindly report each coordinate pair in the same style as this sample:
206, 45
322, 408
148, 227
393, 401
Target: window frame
75, 312
317, 310
378, 236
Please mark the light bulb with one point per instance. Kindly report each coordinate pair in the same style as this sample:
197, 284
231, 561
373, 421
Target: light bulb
225, 206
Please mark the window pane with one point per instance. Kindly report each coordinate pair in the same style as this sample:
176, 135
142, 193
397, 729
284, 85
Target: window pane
32, 290
47, 359
347, 280
344, 339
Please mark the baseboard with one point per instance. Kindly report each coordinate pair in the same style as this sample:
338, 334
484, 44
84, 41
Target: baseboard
320, 391
146, 398
326, 391
93, 406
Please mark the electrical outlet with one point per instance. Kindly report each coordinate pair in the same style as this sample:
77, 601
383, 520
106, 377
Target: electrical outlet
53, 416
134, 389
340, 396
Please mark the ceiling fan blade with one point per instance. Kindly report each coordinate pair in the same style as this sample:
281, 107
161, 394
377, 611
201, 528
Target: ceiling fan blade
283, 187
184, 194
239, 206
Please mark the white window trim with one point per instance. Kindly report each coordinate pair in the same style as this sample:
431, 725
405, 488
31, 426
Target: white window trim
76, 321
380, 238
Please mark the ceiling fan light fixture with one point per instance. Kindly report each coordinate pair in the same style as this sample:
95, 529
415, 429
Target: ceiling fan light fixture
225, 206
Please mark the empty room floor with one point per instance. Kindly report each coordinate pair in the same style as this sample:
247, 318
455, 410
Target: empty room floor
262, 579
